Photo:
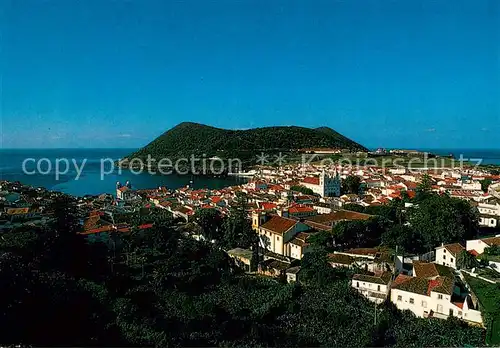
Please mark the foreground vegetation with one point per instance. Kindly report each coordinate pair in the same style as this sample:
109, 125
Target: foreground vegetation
489, 299
165, 289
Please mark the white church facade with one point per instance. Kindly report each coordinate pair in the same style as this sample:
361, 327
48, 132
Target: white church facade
326, 185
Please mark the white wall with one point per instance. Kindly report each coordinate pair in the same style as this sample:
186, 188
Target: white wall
477, 245
444, 257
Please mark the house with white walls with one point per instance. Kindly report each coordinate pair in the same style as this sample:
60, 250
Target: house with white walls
374, 287
446, 255
432, 292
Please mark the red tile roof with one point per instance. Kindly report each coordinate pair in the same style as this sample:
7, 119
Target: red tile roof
267, 205
145, 226
401, 278
216, 199
296, 209
278, 224
311, 180
492, 241
454, 248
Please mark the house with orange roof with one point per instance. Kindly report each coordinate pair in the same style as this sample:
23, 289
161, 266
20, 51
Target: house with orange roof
301, 211
276, 232
267, 206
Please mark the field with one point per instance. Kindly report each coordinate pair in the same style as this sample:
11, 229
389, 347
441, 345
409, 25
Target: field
489, 299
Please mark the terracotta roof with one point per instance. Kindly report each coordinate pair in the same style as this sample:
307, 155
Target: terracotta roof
17, 211
93, 222
278, 224
340, 258
145, 226
454, 248
401, 278
492, 241
384, 278
311, 180
415, 285
216, 199
123, 189
106, 228
431, 270
300, 239
300, 209
267, 205
442, 285
364, 251
329, 219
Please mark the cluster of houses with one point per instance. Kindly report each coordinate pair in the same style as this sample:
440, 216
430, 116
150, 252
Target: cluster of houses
22, 205
285, 219
430, 289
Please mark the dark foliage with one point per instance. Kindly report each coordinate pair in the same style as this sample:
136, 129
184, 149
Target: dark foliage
189, 138
163, 289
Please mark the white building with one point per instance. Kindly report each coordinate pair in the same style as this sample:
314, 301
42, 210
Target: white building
446, 255
375, 288
281, 235
489, 214
325, 185
479, 245
432, 292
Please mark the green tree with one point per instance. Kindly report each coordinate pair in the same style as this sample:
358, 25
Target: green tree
442, 219
354, 207
210, 220
485, 184
351, 184
424, 188
237, 227
466, 260
302, 189
492, 250
315, 268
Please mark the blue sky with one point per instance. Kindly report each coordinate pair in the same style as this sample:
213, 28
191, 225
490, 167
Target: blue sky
99, 73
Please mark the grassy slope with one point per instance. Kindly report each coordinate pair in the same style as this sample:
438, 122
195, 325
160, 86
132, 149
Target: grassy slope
489, 298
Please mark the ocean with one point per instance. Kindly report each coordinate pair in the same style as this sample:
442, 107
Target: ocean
89, 181
487, 156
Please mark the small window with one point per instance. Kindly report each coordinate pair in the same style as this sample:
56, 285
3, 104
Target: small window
459, 313
444, 251
400, 298
277, 238
424, 304
378, 287
465, 315
412, 301
451, 260
357, 284
444, 257
440, 297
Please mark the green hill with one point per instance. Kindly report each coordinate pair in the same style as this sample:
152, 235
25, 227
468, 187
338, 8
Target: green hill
192, 138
